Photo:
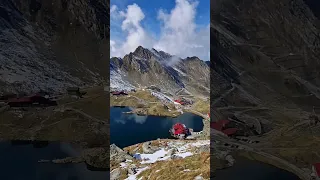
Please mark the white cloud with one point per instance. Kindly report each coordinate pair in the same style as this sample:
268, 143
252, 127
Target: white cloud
179, 33
136, 35
113, 9
113, 49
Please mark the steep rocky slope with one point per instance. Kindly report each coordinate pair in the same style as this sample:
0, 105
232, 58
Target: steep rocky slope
265, 67
146, 67
51, 44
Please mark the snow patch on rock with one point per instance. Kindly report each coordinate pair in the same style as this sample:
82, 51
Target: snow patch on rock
118, 83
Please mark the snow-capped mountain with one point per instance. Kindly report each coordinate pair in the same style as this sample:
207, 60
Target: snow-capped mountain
146, 67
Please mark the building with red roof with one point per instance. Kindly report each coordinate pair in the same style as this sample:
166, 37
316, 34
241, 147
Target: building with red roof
221, 126
179, 101
30, 100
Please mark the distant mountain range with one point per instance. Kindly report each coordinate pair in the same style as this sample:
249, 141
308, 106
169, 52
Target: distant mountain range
145, 67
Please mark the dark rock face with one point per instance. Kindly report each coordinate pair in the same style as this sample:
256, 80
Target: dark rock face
265, 61
151, 67
50, 44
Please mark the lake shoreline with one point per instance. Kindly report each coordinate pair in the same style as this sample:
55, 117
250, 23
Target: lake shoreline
159, 125
144, 111
136, 111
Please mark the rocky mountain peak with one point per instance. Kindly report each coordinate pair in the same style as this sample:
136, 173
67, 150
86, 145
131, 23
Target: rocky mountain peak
143, 53
193, 58
145, 67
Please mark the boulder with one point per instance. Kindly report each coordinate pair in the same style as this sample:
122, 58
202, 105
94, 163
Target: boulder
118, 155
96, 157
175, 157
172, 152
132, 170
148, 149
115, 174
204, 149
230, 160
198, 177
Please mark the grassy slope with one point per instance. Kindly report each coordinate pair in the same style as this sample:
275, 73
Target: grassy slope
198, 164
51, 125
148, 104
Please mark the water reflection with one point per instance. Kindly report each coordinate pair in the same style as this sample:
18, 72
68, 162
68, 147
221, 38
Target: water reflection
133, 117
129, 129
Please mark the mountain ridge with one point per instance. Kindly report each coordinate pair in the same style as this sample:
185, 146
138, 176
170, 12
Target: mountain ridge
159, 68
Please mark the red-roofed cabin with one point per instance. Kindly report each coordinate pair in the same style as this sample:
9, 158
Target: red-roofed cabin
316, 170
179, 101
219, 125
179, 131
30, 100
117, 93
230, 131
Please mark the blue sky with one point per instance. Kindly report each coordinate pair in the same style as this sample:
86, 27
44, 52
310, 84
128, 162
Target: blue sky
179, 27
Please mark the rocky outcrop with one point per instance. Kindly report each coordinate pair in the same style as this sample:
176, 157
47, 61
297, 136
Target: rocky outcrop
96, 157
148, 148
115, 174
118, 155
